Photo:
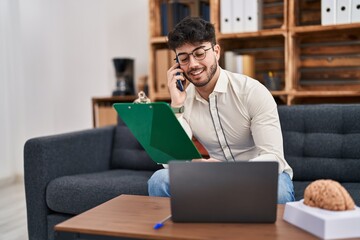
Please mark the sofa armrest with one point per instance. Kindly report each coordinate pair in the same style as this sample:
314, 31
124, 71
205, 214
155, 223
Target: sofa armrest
47, 158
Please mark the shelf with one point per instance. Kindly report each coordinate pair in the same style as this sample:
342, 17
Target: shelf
114, 99
158, 40
279, 93
325, 94
328, 28
244, 35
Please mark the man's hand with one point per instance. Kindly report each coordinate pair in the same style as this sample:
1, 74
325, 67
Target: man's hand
205, 160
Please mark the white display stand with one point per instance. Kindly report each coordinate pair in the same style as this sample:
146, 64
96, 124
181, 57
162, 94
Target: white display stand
323, 223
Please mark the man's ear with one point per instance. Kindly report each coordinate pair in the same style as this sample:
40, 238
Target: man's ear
217, 51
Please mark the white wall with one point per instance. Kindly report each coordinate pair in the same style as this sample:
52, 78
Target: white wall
65, 50
10, 88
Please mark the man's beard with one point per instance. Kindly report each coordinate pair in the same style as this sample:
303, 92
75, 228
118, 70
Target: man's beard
210, 75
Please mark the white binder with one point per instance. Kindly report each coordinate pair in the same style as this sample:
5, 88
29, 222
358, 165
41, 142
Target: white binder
328, 12
226, 24
239, 59
253, 15
230, 63
355, 11
343, 11
238, 14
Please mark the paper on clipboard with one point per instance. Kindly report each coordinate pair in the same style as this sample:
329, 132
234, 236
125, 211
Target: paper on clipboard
158, 131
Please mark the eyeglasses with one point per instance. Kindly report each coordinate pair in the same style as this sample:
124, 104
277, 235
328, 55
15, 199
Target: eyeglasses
198, 54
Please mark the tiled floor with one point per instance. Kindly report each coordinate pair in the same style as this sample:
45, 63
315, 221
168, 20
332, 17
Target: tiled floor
13, 224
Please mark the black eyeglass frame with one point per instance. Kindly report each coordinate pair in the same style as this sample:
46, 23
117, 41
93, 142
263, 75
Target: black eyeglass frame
192, 53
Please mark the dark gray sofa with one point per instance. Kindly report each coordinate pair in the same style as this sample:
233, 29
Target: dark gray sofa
323, 142
69, 173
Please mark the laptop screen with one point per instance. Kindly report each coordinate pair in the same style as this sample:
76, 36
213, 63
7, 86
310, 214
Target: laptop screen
224, 192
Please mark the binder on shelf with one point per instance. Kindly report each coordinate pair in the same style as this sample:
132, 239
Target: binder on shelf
240, 63
245, 64
229, 57
163, 17
172, 13
253, 15
158, 131
343, 11
238, 16
162, 58
205, 11
328, 12
355, 11
226, 23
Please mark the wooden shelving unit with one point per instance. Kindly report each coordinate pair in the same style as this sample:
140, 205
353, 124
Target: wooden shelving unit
325, 61
317, 64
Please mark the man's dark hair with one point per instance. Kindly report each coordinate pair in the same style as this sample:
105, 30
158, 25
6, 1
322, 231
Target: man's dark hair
191, 30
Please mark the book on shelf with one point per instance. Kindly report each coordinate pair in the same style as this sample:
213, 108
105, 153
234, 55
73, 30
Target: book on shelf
171, 14
205, 11
173, 11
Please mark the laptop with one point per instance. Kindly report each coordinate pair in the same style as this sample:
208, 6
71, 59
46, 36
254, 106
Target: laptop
224, 192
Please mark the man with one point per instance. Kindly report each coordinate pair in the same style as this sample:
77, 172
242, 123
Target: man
233, 116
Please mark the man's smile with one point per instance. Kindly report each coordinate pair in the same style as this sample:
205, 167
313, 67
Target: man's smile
196, 72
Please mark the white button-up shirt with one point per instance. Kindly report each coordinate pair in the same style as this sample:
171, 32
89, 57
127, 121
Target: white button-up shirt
240, 121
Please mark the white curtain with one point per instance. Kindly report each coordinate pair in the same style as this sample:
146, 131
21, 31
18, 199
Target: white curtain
10, 77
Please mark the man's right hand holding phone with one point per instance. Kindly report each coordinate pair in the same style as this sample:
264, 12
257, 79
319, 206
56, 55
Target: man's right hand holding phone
177, 96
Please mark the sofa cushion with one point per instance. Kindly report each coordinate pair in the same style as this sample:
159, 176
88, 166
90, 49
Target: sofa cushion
128, 153
322, 141
78, 193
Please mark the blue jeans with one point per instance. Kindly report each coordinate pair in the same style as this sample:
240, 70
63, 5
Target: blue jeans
158, 185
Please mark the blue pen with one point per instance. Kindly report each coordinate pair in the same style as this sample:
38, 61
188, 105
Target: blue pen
161, 223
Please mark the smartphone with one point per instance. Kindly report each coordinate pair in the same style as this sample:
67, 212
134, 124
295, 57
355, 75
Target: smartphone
179, 84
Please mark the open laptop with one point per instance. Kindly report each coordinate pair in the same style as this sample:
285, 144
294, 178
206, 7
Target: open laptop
244, 192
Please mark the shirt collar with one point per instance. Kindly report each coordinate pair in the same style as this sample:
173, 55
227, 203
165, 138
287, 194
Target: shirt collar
222, 83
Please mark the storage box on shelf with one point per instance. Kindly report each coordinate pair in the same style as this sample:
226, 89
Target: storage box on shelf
103, 112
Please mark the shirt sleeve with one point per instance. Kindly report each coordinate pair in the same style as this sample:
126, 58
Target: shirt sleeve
265, 126
185, 125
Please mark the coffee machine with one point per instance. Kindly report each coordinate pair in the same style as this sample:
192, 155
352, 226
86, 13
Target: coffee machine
124, 69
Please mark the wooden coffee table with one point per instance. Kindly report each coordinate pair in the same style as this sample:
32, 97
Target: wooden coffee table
129, 216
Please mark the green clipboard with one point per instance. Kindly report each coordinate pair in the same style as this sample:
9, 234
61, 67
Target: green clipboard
158, 131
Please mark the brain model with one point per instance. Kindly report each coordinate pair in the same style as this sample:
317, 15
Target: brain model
328, 194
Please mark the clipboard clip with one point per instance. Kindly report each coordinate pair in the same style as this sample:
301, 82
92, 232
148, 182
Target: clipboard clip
142, 98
